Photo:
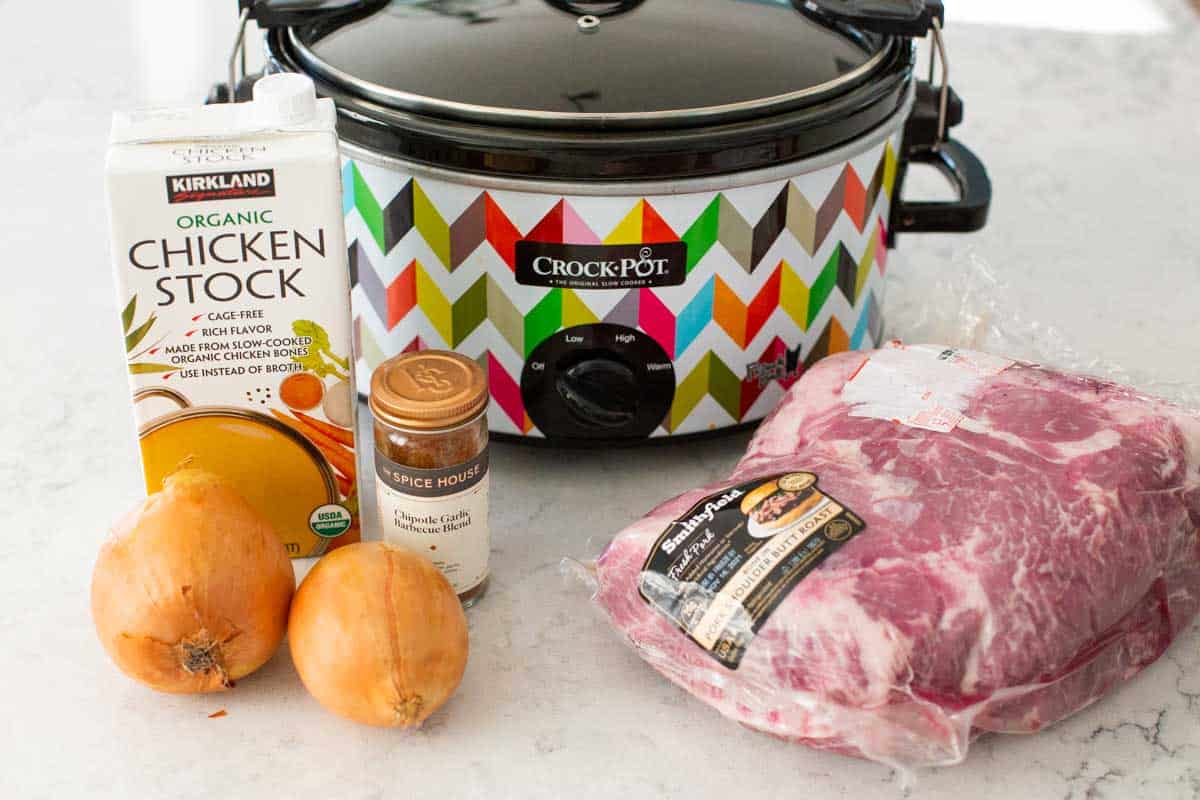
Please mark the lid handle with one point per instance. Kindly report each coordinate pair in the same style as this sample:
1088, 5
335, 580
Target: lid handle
911, 18
595, 8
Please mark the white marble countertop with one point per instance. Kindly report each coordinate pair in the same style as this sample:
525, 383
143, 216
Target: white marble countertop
1091, 141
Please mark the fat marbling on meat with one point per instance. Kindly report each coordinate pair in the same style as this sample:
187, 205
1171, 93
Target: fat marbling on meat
1018, 562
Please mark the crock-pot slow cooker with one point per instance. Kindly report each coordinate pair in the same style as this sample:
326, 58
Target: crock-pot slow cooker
644, 218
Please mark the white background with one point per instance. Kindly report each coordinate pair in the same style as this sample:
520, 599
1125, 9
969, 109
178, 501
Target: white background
1091, 141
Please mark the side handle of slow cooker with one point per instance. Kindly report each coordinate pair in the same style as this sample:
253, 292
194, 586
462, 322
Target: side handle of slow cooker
966, 173
935, 110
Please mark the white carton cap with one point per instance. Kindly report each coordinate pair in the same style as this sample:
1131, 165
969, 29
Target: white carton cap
285, 98
283, 103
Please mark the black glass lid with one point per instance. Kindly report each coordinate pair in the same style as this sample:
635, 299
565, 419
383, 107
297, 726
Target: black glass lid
563, 64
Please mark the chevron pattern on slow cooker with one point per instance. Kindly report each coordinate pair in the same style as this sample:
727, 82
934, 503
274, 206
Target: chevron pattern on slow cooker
484, 220
707, 302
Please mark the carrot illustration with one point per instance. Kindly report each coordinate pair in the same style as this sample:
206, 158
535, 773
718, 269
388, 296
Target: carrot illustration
338, 456
343, 435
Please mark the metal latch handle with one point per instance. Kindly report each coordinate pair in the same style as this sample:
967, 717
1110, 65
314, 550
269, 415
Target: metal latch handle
910, 19
282, 14
237, 56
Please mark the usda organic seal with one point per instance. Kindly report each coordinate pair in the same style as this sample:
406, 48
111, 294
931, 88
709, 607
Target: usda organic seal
329, 520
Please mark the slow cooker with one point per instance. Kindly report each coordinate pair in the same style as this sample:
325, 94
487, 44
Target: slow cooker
644, 218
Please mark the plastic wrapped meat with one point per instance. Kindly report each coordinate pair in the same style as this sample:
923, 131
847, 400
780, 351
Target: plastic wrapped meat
963, 544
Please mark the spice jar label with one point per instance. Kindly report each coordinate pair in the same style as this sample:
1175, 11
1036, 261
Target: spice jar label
440, 513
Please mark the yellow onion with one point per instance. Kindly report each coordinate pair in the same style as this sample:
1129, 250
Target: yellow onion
378, 635
191, 592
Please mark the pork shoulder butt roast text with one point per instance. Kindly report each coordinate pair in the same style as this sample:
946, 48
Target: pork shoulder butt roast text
1031, 540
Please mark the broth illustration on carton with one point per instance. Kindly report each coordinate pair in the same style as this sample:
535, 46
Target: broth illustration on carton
230, 259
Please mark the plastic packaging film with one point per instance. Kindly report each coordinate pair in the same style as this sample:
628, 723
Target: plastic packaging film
969, 306
1028, 540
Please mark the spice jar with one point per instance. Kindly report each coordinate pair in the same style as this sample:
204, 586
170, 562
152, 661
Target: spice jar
431, 462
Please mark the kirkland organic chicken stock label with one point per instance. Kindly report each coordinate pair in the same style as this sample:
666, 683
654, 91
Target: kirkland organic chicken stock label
722, 568
230, 259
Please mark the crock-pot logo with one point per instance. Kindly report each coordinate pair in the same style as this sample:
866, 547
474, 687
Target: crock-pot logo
221, 185
601, 266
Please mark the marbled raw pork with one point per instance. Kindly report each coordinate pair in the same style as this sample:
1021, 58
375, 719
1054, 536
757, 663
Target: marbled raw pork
1013, 569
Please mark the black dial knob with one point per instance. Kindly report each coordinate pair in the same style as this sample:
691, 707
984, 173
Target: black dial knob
598, 383
599, 391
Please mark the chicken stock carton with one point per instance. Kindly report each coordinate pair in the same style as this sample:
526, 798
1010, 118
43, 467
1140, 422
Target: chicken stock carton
230, 258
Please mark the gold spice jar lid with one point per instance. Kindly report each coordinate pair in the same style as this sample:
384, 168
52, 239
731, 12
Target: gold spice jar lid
428, 389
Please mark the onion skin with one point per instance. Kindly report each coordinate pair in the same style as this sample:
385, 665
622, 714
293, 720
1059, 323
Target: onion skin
191, 593
378, 635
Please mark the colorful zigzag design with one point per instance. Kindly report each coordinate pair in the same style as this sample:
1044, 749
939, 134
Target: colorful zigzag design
714, 302
484, 220
455, 320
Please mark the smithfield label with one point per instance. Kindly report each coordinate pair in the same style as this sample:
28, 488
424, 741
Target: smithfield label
721, 569
601, 266
232, 185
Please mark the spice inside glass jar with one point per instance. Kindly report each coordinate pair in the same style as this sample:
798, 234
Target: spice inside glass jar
431, 462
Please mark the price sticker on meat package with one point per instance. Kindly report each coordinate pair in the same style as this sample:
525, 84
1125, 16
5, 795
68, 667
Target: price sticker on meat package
722, 568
